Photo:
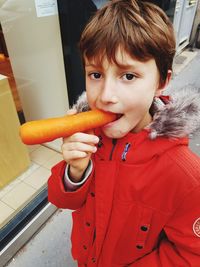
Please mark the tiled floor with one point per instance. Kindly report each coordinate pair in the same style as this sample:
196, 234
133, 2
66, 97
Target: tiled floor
17, 194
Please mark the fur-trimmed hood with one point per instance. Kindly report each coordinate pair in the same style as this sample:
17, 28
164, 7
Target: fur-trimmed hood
179, 117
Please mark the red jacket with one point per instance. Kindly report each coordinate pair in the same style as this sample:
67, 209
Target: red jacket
139, 207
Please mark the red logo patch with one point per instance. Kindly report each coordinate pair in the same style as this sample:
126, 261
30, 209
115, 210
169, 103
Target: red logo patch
196, 227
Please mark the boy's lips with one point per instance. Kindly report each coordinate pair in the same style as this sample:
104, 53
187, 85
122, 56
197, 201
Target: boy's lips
118, 116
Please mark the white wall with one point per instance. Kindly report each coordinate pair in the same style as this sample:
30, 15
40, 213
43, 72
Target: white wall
35, 51
34, 47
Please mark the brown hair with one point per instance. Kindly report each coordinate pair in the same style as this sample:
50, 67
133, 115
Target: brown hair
141, 28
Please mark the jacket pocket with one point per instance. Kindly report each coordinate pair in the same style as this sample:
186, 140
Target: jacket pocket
133, 241
144, 227
75, 234
78, 236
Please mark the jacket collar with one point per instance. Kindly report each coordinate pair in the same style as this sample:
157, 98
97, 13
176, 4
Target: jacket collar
175, 118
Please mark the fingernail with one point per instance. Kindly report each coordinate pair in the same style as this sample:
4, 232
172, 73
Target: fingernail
96, 140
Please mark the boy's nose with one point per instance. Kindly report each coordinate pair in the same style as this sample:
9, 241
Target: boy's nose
108, 93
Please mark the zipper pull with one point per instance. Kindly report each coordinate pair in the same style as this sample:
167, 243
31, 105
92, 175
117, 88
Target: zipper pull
126, 149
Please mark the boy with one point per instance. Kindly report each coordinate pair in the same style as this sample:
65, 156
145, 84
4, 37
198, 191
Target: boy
134, 184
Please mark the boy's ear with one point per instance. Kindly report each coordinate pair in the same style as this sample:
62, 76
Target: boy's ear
162, 86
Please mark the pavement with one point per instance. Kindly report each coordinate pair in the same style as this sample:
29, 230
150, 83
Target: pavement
51, 246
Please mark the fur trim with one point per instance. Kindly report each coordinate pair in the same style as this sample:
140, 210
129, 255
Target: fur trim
82, 104
178, 118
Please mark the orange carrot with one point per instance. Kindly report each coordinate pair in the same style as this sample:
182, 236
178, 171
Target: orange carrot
46, 130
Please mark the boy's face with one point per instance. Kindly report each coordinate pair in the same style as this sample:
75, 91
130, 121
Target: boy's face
127, 90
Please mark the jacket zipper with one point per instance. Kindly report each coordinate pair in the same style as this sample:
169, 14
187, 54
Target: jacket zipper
114, 142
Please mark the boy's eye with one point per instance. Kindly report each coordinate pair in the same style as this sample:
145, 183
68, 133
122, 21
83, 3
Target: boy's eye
95, 75
128, 76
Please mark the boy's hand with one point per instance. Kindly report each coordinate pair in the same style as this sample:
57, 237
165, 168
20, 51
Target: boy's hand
77, 150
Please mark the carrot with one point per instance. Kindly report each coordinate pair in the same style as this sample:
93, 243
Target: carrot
46, 130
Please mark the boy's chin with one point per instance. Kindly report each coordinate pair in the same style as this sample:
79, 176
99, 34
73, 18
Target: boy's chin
114, 133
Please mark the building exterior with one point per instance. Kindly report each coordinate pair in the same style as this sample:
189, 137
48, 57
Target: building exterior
184, 16
195, 24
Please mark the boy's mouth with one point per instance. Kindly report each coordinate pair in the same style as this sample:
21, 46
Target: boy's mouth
119, 116
111, 124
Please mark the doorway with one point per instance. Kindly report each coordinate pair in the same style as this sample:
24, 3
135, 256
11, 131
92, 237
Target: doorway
183, 21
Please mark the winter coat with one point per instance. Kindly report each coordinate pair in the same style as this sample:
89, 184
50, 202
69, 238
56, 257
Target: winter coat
140, 206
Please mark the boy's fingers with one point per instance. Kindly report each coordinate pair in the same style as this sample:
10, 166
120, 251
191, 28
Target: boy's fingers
71, 112
73, 155
77, 158
82, 137
77, 146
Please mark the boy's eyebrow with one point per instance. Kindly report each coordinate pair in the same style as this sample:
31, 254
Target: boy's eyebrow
126, 66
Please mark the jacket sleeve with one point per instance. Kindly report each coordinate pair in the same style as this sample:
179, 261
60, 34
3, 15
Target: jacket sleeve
182, 248
59, 196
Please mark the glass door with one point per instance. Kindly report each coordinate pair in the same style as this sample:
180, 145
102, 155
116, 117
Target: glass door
32, 86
